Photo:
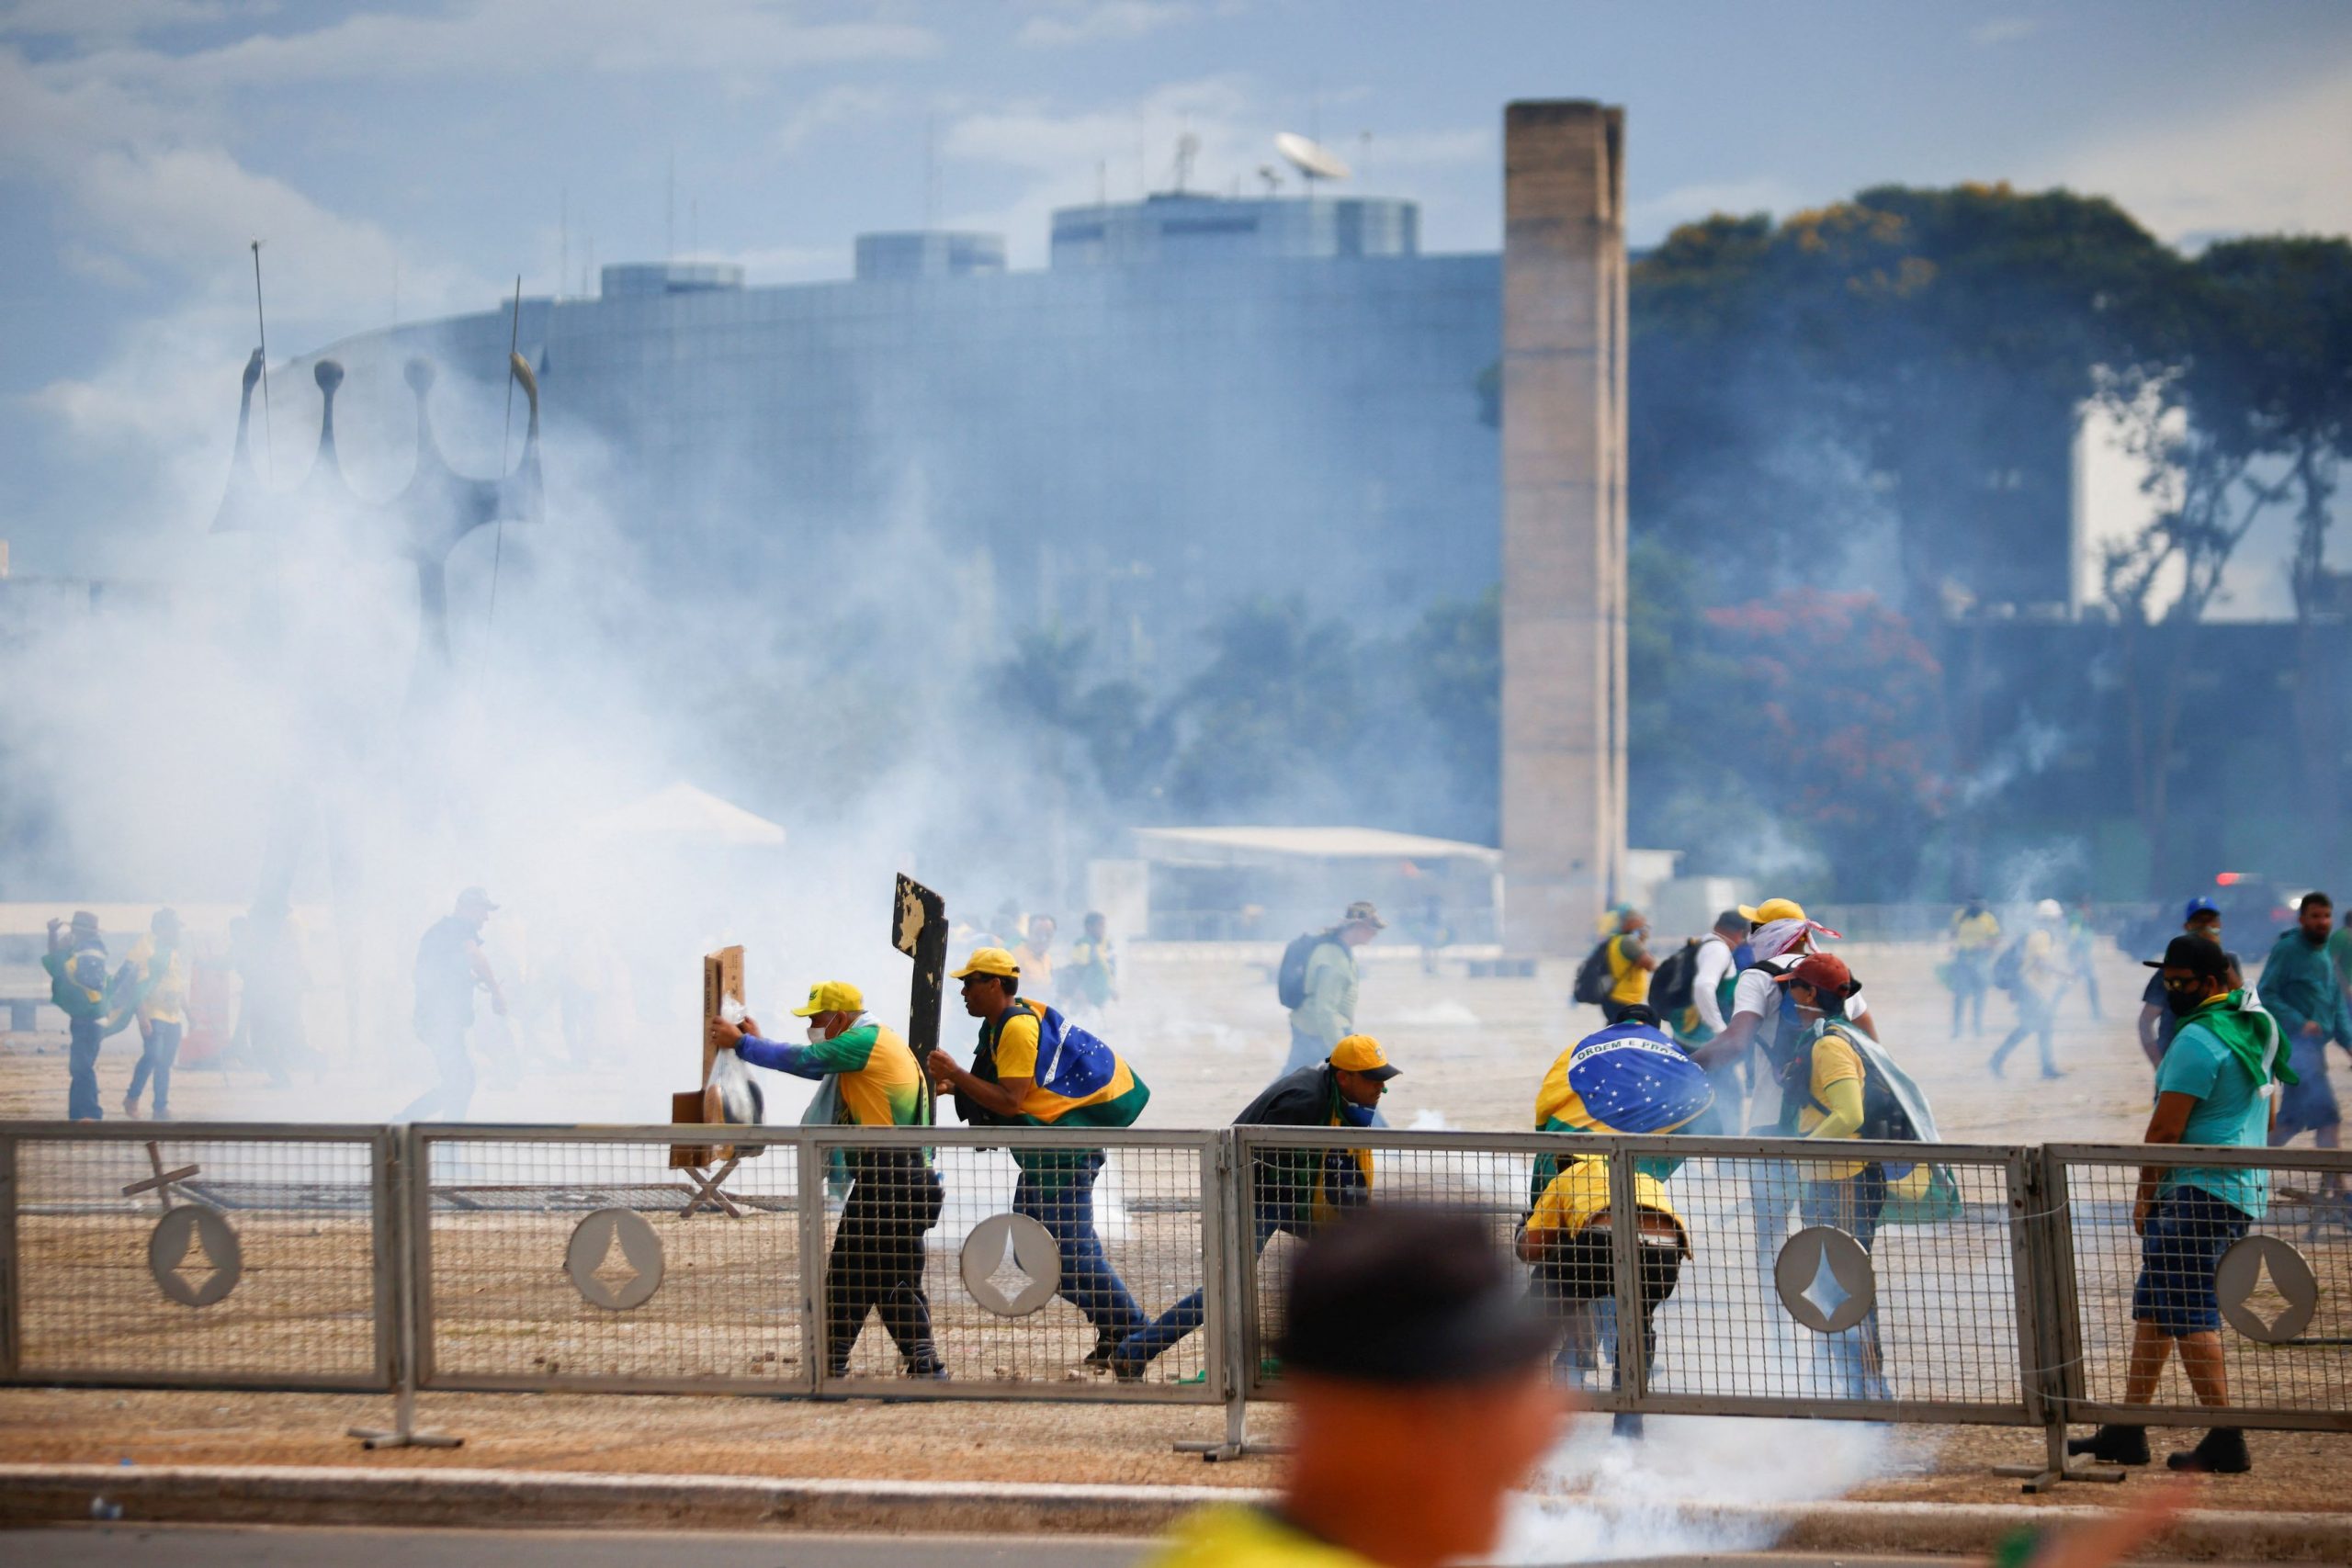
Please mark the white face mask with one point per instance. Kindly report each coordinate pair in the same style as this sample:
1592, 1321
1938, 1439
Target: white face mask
817, 1035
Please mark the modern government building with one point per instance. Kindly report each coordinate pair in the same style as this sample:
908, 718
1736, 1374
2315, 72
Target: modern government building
1199, 399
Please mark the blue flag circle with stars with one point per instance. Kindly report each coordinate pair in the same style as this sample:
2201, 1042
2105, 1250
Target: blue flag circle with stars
1633, 1079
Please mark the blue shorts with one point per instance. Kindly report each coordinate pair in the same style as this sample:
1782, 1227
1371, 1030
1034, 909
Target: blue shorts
2187, 1232
2310, 1104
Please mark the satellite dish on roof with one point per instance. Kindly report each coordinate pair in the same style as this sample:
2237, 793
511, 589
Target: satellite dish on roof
1310, 158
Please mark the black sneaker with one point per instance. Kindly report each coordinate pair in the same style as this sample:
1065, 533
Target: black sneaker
2221, 1452
1105, 1351
2113, 1445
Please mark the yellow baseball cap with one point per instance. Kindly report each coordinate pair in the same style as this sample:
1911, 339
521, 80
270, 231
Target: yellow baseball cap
1362, 1054
831, 996
993, 961
1772, 909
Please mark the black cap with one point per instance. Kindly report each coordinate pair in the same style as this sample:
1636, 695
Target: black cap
2201, 956
1641, 1013
1410, 1295
1731, 920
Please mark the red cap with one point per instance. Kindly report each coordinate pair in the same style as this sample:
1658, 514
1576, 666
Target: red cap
1823, 971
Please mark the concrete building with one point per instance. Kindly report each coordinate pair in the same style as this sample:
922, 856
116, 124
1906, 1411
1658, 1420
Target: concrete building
1200, 398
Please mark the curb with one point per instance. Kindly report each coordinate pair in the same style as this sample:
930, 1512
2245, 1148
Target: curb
329, 1494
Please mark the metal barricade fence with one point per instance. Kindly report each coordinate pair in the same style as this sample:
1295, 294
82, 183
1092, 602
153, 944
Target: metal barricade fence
1914, 1311
1050, 1247
199, 1254
1902, 1281
577, 1258
2244, 1241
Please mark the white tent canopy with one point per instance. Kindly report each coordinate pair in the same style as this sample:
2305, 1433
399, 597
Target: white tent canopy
1264, 846
682, 814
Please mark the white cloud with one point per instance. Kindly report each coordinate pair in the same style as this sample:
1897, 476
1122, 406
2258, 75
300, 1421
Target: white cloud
1998, 31
1648, 217
1069, 23
90, 21
515, 36
2276, 165
836, 106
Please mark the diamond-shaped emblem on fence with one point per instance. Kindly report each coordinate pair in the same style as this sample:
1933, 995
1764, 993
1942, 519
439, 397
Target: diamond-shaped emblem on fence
1826, 1293
614, 1259
2254, 1263
194, 1256
1011, 1265
1825, 1279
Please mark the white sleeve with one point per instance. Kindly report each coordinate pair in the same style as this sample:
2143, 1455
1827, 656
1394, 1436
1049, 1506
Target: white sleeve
1753, 994
1707, 971
1856, 1006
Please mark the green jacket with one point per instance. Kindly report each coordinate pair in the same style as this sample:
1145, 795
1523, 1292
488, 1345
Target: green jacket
79, 988
1328, 1012
2299, 985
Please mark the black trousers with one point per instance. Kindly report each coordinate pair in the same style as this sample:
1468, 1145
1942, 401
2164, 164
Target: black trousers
1582, 1270
877, 1256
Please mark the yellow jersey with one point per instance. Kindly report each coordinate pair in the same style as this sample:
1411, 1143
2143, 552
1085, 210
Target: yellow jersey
1225, 1536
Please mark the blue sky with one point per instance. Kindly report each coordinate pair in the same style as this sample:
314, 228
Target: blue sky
414, 158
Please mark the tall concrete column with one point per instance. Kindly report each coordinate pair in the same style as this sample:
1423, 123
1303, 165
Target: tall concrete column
1564, 520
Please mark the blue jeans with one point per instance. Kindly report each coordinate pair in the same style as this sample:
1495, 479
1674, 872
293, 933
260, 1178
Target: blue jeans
161, 1049
82, 1041
1061, 1199
1149, 1343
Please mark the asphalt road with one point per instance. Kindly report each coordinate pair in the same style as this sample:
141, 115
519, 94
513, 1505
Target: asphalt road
223, 1546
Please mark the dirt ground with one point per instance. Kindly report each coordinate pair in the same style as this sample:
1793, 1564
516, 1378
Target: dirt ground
1202, 1026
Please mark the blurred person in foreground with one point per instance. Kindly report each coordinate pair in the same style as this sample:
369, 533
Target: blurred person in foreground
156, 973
1291, 1190
2201, 918
80, 988
2217, 1085
1976, 937
2302, 991
2033, 971
1415, 1366
450, 966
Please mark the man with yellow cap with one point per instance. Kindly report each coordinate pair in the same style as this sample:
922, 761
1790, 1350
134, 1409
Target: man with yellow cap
1034, 1068
870, 1076
1290, 1190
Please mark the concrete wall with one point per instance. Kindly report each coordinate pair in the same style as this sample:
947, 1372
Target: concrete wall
1563, 519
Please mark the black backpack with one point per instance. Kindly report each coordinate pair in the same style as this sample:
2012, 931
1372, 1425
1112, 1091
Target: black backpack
1290, 980
1672, 985
1594, 981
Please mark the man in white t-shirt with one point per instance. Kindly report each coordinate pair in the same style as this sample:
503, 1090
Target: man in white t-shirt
1723, 953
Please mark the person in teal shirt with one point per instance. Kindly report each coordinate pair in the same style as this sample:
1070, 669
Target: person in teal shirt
2217, 1085
2303, 990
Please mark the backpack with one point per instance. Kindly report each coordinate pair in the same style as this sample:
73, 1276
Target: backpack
1290, 980
1670, 987
2008, 969
1594, 980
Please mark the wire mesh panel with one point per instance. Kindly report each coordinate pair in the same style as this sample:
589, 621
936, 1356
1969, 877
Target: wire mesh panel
1020, 1263
1926, 1262
2238, 1274
201, 1254
578, 1258
1877, 1283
